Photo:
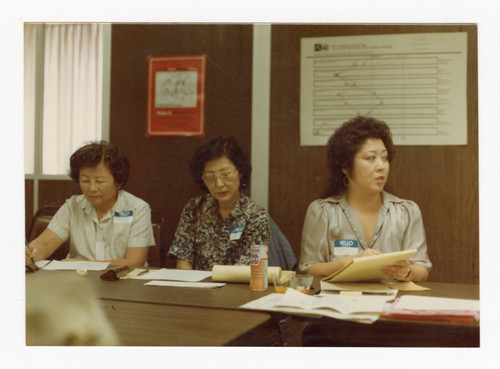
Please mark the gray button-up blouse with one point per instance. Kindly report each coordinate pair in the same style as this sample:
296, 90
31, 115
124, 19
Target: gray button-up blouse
332, 230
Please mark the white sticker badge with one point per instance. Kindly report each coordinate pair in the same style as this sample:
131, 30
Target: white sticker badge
236, 233
123, 217
346, 247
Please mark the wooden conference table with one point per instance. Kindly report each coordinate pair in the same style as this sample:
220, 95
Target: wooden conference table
180, 316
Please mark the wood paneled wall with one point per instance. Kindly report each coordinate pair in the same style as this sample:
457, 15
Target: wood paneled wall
159, 165
443, 180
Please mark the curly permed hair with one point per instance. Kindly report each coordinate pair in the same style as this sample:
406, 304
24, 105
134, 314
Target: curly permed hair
346, 142
94, 153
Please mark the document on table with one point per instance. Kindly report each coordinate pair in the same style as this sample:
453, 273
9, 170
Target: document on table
373, 288
406, 286
42, 263
76, 265
410, 302
388, 288
434, 308
362, 309
176, 275
185, 284
368, 268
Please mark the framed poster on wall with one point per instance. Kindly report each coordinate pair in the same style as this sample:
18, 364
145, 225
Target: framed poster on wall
176, 95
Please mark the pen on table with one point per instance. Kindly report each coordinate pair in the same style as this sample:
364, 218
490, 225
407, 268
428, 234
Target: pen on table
143, 272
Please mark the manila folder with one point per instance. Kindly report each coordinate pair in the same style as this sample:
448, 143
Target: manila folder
367, 268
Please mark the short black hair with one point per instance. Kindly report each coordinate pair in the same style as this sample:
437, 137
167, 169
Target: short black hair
214, 149
92, 154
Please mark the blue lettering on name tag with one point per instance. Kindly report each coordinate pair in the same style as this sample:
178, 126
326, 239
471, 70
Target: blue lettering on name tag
346, 243
346, 247
126, 213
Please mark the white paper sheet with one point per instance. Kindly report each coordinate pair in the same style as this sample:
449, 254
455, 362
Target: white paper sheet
177, 275
184, 284
373, 288
363, 309
42, 263
76, 265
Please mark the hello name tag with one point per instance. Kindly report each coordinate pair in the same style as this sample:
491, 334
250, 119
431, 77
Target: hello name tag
123, 217
236, 233
346, 247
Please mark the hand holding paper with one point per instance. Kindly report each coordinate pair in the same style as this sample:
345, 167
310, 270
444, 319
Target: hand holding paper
368, 268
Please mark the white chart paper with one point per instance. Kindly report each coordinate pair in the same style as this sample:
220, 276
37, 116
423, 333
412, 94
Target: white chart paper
416, 83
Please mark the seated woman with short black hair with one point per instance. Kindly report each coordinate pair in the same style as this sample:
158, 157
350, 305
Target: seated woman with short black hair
221, 226
104, 223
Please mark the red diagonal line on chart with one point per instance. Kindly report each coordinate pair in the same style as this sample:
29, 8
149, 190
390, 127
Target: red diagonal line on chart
353, 84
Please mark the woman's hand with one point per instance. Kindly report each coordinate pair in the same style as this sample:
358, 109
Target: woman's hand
29, 260
30, 254
367, 252
400, 270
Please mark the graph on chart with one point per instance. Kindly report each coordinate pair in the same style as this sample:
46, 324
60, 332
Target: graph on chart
415, 83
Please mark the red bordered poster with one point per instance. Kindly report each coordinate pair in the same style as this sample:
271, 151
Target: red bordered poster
176, 95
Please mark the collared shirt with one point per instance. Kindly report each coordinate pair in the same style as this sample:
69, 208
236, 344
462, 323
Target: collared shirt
332, 230
127, 224
203, 239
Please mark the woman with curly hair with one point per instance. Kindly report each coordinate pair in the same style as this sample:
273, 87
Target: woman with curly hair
357, 217
221, 226
104, 223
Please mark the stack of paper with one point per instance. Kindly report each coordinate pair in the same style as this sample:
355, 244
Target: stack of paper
362, 309
387, 288
434, 309
367, 268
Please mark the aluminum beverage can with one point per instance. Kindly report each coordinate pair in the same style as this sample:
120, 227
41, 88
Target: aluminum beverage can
258, 268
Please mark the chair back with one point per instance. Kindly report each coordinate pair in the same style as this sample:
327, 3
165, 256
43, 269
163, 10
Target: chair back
280, 251
154, 252
40, 221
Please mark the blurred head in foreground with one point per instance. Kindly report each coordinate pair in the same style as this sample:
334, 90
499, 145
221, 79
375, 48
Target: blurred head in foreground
65, 312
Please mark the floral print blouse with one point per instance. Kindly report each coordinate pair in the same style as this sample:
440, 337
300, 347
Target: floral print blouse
203, 239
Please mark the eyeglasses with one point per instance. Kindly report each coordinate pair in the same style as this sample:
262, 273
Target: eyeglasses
224, 175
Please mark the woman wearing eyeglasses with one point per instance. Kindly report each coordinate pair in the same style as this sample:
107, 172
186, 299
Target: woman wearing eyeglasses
220, 227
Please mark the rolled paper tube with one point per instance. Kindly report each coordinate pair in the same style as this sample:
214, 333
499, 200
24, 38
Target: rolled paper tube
239, 273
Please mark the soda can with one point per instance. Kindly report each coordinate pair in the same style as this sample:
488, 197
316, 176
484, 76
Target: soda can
258, 268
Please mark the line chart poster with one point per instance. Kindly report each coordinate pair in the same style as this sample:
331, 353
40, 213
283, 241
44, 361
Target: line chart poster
416, 83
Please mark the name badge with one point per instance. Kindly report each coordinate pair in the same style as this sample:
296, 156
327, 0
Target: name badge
346, 247
123, 217
236, 233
